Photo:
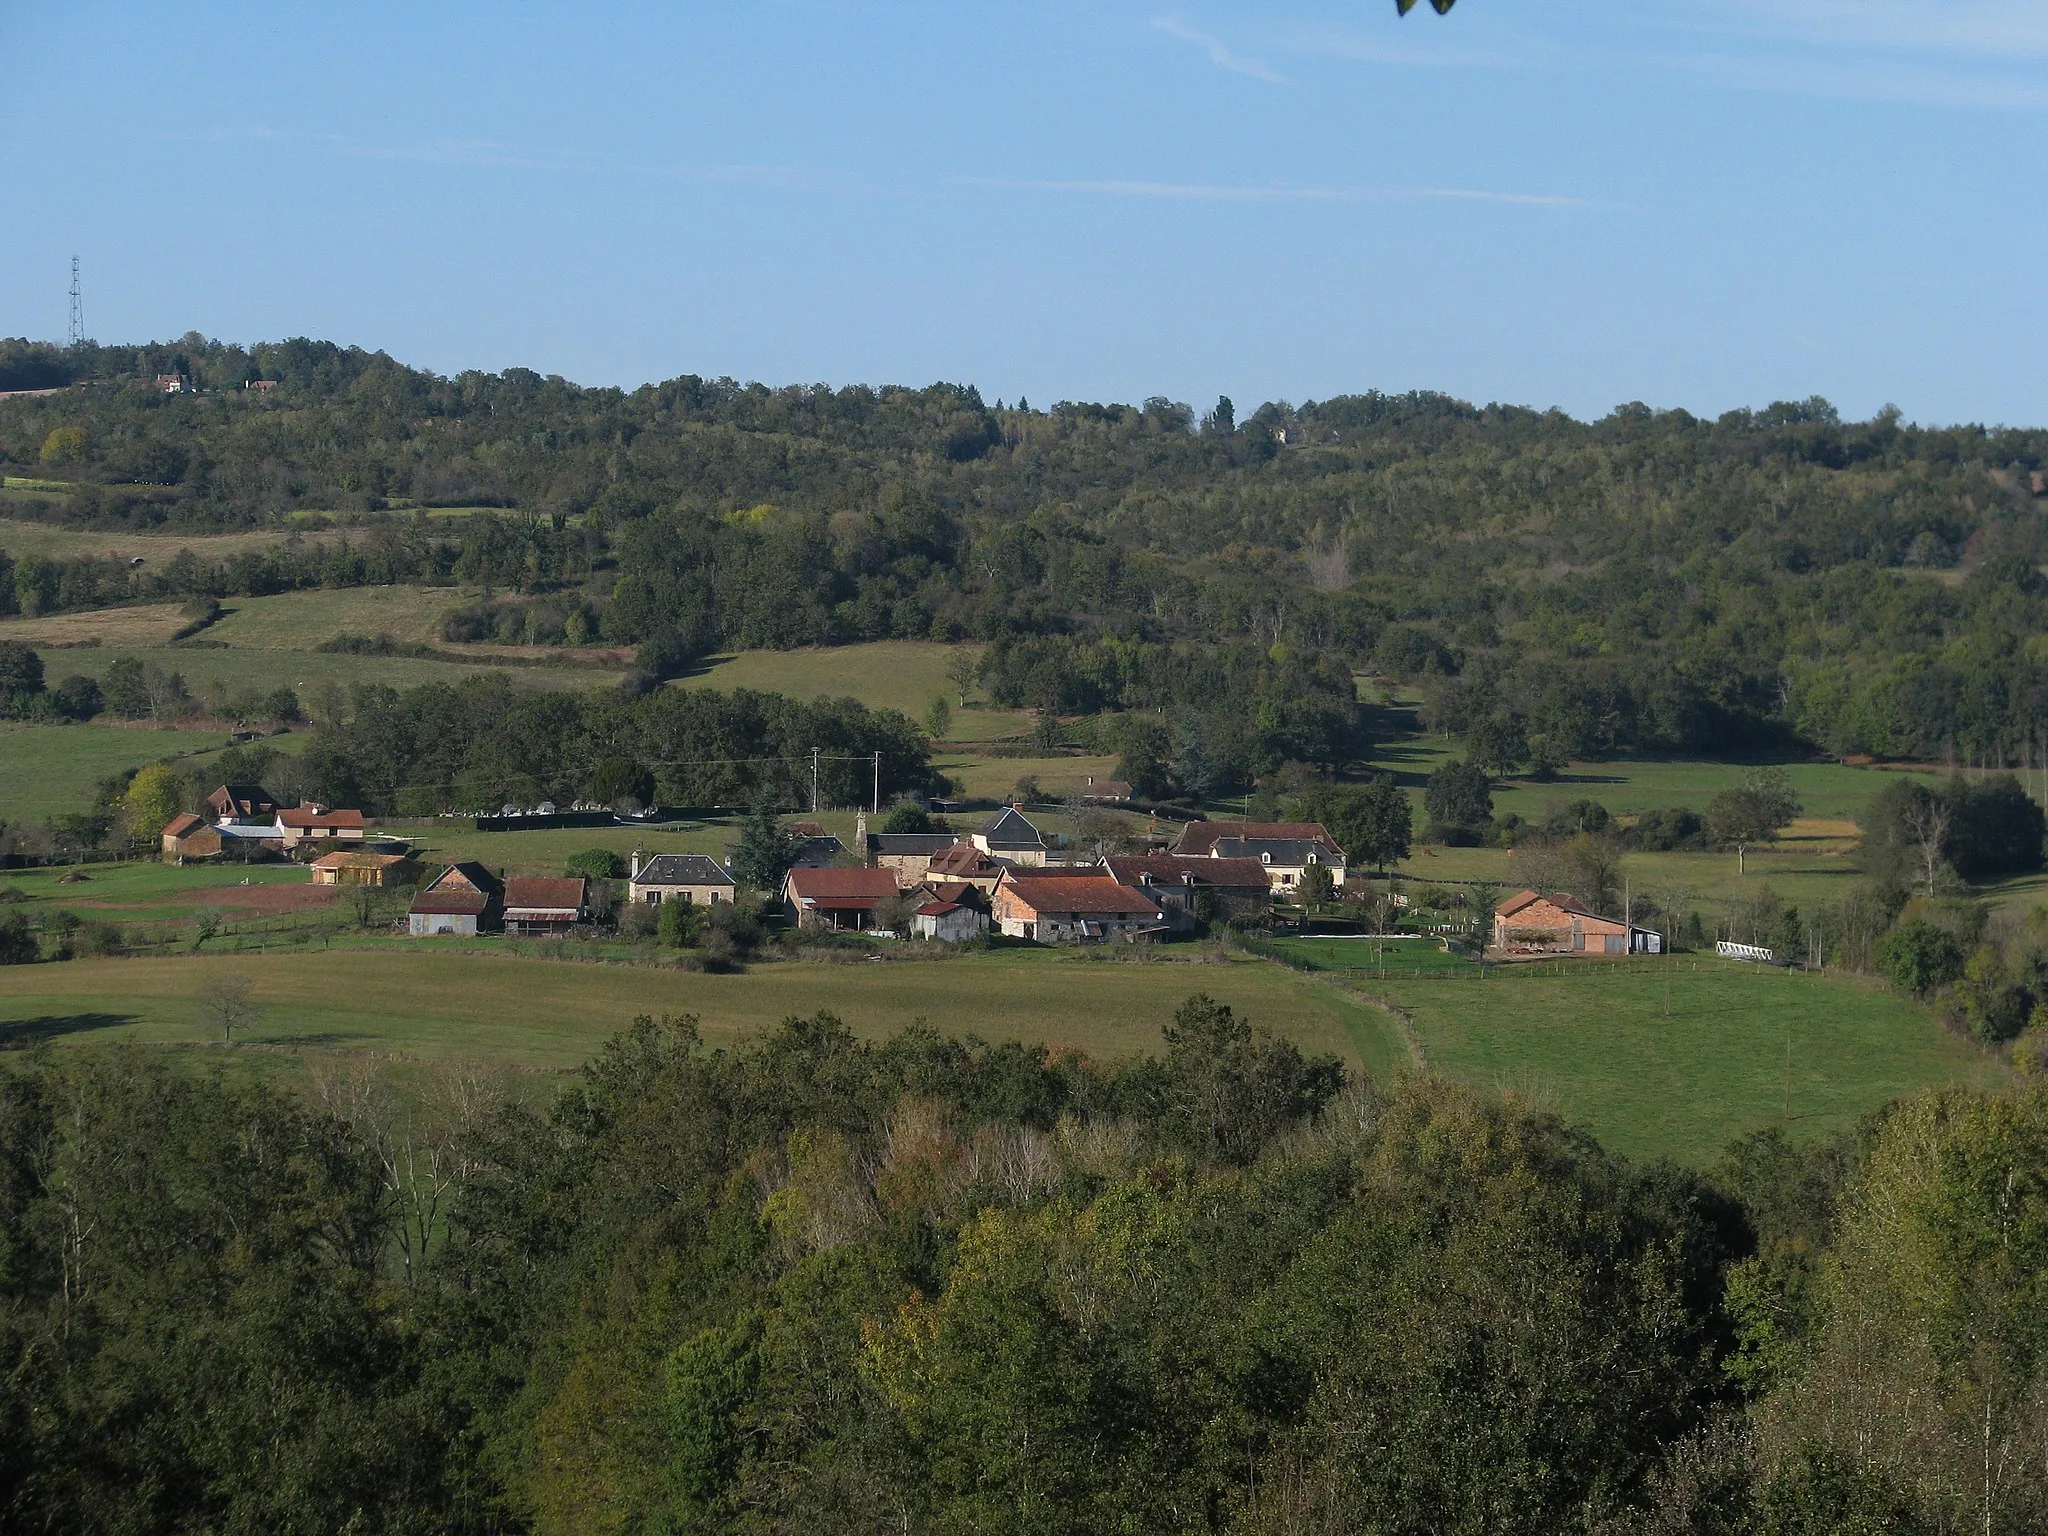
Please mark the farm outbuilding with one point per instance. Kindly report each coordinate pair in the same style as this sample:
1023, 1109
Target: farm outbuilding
1528, 923
355, 866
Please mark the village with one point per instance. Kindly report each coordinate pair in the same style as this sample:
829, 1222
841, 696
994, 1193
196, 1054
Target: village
1007, 879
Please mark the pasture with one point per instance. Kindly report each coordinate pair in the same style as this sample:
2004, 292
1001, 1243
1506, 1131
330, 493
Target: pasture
49, 770
143, 624
1672, 1057
904, 675
1828, 792
204, 664
19, 536
444, 1002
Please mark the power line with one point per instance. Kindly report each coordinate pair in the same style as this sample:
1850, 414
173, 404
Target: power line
77, 307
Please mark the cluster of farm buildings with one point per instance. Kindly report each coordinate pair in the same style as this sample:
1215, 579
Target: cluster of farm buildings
1005, 877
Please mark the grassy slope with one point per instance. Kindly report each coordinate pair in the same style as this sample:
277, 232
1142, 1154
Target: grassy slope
138, 891
439, 1001
1594, 1042
19, 537
204, 665
1827, 791
49, 769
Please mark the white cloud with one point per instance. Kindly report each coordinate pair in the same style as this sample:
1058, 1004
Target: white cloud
1953, 53
1206, 192
1220, 53
1990, 29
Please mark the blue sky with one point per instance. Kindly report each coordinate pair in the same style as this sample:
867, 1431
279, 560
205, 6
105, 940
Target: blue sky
1703, 203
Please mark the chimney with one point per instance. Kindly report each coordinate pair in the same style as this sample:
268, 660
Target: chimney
860, 833
636, 865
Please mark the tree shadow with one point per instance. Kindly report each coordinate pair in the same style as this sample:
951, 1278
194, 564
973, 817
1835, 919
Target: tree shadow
15, 1033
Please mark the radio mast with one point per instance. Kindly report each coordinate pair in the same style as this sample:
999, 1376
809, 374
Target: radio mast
77, 307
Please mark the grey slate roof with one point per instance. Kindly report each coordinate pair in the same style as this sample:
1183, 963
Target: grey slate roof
683, 869
1289, 852
1008, 829
819, 851
899, 845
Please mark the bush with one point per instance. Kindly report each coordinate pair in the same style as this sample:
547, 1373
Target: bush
1667, 830
1918, 957
678, 924
909, 818
17, 943
100, 938
596, 864
77, 698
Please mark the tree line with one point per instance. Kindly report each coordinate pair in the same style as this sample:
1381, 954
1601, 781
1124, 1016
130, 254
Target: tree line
480, 743
933, 1285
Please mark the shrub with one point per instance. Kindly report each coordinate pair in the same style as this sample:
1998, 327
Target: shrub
596, 864
17, 943
100, 938
679, 924
909, 818
77, 698
1918, 957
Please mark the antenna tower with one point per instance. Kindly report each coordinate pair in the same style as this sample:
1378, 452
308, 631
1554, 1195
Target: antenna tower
77, 307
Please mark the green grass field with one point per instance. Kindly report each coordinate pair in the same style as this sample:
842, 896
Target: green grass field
46, 770
20, 537
299, 621
435, 1002
1376, 957
141, 891
1827, 791
1594, 1042
1681, 881
883, 674
201, 666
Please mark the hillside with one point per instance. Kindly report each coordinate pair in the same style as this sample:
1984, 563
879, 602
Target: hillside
1648, 582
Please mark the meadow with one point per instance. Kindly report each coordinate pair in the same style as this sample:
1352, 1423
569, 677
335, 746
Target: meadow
1671, 1057
1658, 1058
19, 536
49, 770
439, 1002
1828, 792
204, 664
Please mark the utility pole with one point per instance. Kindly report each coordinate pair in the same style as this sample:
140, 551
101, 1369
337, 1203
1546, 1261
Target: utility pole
77, 307
878, 784
814, 781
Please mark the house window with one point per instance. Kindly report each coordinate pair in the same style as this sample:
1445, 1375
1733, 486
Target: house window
654, 898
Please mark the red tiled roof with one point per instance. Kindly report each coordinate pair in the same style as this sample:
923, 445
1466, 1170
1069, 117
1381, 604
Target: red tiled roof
298, 818
1199, 837
938, 908
962, 859
1564, 901
538, 893
833, 887
1079, 893
181, 823
450, 902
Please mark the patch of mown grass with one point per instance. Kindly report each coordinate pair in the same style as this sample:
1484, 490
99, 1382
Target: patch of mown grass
236, 668
1376, 957
1676, 1056
49, 770
453, 1002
